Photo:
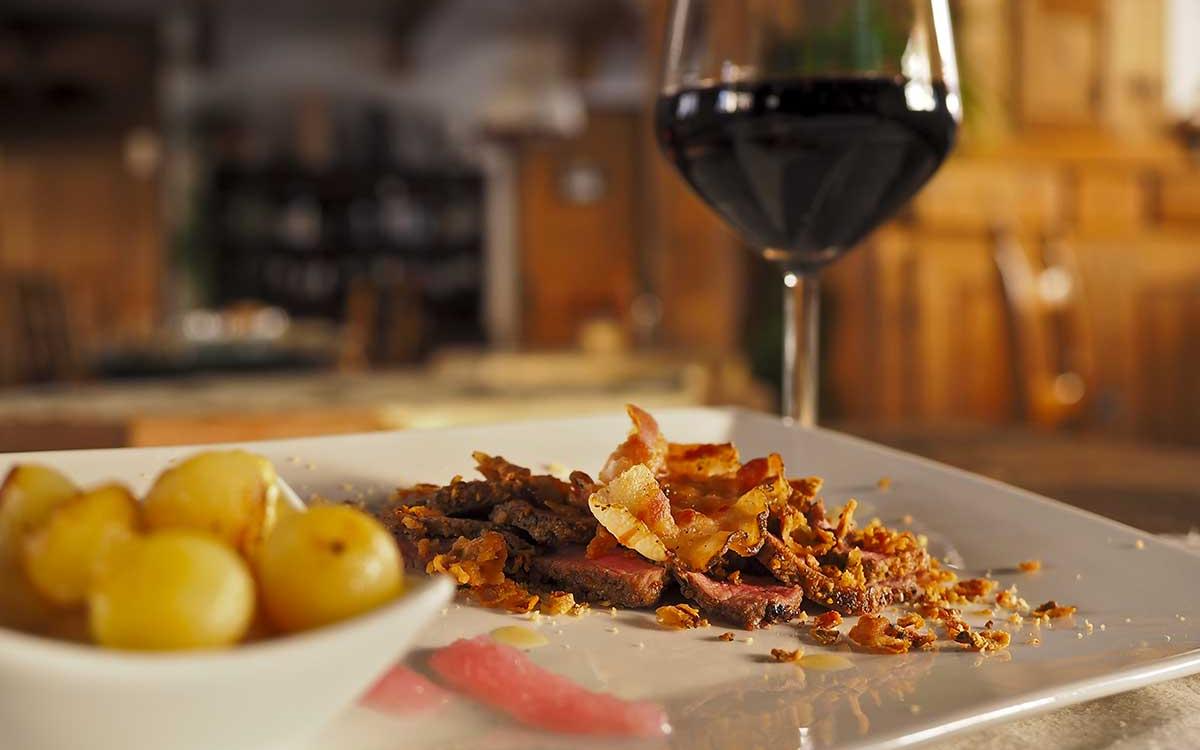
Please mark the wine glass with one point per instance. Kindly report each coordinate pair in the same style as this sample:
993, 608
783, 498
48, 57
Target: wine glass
804, 124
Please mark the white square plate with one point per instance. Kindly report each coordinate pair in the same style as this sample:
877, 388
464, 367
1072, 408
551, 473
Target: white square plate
1137, 593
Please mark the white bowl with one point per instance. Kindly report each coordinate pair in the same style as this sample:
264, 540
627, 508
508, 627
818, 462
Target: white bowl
272, 694
57, 695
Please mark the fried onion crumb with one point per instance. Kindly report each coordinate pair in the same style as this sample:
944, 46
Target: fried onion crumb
877, 633
784, 656
1030, 566
557, 603
680, 617
1052, 610
984, 640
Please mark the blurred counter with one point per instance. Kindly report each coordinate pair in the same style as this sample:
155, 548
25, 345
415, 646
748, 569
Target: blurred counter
456, 388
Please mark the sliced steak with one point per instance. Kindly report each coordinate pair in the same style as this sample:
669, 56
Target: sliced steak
896, 572
439, 532
793, 570
619, 578
447, 527
503, 482
460, 498
417, 553
751, 603
545, 526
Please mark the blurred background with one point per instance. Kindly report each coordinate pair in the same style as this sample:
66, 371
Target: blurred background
239, 219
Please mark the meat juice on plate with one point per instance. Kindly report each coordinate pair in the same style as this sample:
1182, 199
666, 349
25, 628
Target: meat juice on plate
805, 167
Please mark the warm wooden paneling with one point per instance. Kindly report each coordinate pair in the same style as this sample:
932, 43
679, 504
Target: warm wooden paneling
971, 195
1059, 56
921, 331
72, 210
1179, 197
697, 266
577, 249
1110, 202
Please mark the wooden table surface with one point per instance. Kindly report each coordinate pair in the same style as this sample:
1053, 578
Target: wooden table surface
1152, 486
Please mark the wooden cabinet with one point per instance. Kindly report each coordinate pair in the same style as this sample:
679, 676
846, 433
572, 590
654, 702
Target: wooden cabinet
74, 213
577, 229
79, 188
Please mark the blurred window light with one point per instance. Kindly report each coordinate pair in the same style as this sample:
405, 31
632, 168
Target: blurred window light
202, 325
1068, 388
1182, 60
269, 323
1055, 285
143, 152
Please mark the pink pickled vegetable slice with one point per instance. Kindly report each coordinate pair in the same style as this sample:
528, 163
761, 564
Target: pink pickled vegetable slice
507, 680
403, 691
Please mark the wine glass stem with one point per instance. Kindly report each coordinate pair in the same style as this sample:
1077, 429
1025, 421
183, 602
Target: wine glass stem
801, 346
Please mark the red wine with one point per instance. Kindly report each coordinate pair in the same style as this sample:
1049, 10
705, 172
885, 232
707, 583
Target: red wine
805, 168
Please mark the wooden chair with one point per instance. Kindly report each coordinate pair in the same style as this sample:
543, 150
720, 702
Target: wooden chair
1168, 321
385, 323
1051, 337
35, 339
917, 331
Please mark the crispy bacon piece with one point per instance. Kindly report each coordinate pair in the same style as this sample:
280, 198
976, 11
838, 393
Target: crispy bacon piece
758, 470
645, 445
634, 509
699, 460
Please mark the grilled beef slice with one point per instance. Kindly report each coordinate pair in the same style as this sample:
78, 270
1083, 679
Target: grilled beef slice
620, 578
545, 526
793, 570
441, 531
503, 482
753, 602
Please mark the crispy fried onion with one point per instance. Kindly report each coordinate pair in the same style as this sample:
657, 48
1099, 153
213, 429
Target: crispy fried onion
473, 562
634, 510
478, 564
877, 633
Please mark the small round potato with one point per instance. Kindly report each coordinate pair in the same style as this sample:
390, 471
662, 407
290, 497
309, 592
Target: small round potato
230, 494
328, 564
171, 590
61, 555
28, 495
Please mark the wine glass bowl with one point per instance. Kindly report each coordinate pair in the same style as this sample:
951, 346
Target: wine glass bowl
805, 124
